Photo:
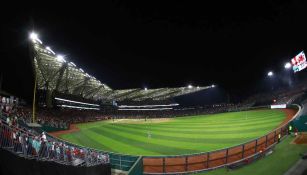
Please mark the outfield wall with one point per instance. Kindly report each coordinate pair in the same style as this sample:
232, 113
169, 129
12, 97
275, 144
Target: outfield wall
232, 157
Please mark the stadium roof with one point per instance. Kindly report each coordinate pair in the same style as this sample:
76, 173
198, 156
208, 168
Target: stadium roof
56, 73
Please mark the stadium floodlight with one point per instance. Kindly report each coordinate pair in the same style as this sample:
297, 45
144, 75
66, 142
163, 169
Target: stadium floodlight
213, 86
270, 74
34, 37
288, 65
145, 89
190, 86
72, 64
49, 49
60, 58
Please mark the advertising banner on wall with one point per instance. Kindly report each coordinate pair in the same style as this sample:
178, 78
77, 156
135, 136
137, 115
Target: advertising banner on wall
281, 106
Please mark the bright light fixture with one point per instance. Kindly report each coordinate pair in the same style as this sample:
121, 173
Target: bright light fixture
288, 65
34, 37
49, 49
73, 64
270, 74
213, 85
145, 89
60, 58
190, 86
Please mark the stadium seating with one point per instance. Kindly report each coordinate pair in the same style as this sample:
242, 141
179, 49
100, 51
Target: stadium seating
30, 143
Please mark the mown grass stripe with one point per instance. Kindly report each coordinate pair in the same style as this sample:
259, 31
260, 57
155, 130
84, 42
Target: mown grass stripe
181, 138
192, 129
136, 142
83, 139
181, 135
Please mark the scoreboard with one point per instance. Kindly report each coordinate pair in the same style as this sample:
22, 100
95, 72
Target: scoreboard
299, 62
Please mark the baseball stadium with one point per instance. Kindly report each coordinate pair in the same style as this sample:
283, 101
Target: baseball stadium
72, 122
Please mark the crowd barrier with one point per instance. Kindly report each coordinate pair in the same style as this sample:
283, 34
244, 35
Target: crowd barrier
233, 156
29, 144
118, 161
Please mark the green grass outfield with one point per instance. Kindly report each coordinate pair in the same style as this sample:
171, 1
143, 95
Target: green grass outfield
182, 135
284, 156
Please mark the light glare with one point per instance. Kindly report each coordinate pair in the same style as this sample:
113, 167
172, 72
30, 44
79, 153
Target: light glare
34, 37
288, 65
49, 49
60, 58
270, 74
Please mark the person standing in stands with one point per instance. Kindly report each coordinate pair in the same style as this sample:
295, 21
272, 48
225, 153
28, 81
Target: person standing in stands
290, 129
36, 145
43, 136
58, 151
8, 120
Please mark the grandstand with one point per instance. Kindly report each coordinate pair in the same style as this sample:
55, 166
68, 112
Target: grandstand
55, 74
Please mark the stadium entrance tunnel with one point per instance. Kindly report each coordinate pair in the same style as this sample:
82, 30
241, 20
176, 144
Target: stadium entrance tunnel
229, 157
11, 164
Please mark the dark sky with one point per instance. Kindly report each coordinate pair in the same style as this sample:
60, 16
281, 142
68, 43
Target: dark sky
160, 44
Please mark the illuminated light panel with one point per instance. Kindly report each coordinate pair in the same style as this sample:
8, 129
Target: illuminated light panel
71, 101
146, 109
77, 107
147, 106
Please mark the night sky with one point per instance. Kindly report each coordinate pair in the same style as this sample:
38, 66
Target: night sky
168, 44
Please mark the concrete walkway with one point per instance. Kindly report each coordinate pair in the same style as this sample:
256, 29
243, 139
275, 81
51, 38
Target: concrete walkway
300, 168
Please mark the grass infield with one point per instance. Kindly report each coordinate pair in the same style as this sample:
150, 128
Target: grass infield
182, 135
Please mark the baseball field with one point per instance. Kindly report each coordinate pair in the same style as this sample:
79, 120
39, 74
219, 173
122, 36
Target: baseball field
181, 135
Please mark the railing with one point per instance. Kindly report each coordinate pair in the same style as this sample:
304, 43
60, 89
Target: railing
118, 161
233, 156
28, 144
137, 168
